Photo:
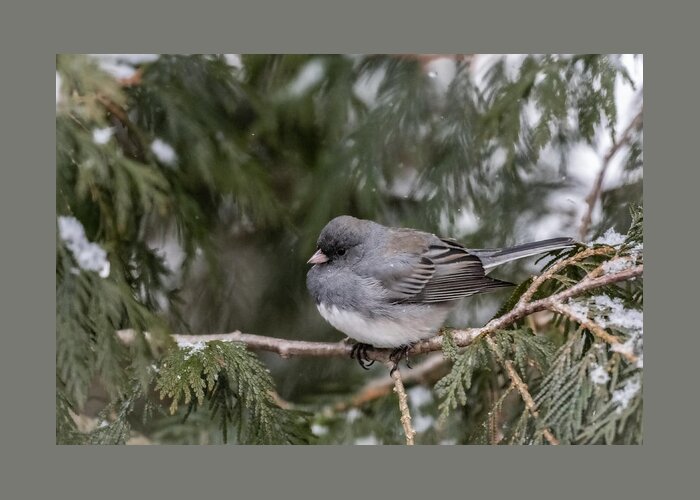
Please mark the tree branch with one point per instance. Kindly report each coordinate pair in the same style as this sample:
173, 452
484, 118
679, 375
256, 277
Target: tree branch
462, 338
522, 388
593, 327
539, 281
593, 196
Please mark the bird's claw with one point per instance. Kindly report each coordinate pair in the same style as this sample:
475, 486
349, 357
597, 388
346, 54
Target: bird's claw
359, 352
396, 356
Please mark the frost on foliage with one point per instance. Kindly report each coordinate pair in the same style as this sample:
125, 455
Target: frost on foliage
621, 263
626, 347
578, 308
613, 313
610, 313
89, 256
617, 265
102, 135
611, 237
164, 152
191, 348
599, 375
623, 397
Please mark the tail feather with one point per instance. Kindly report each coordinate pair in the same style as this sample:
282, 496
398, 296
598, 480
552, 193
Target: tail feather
496, 257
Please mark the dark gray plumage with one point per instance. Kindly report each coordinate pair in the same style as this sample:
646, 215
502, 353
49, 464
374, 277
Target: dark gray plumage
390, 287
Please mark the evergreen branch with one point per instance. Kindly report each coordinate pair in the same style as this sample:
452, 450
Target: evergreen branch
521, 387
462, 338
238, 389
592, 326
593, 196
403, 404
549, 273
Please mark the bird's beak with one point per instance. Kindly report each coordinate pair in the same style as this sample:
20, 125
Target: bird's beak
318, 258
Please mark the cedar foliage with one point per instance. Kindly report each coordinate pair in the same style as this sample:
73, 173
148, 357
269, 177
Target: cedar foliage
214, 237
561, 369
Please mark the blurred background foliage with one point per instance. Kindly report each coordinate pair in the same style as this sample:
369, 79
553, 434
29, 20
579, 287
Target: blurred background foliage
207, 178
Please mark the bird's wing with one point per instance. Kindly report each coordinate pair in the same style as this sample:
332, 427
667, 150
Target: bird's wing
432, 270
458, 274
402, 271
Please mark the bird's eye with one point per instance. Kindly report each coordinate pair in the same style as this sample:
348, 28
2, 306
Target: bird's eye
341, 252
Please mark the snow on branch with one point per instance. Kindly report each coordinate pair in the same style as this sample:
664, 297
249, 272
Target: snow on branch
89, 256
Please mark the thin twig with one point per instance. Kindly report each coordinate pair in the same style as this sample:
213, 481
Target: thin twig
403, 404
521, 387
549, 273
593, 196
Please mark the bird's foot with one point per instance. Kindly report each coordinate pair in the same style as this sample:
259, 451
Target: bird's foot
359, 352
396, 356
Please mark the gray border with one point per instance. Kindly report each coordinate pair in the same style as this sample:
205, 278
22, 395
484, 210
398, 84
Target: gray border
28, 255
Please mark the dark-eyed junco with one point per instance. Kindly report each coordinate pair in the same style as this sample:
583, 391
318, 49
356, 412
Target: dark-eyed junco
391, 287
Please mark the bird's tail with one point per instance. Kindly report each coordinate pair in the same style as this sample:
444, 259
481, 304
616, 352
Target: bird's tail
496, 257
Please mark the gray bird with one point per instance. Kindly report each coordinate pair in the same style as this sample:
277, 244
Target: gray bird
392, 287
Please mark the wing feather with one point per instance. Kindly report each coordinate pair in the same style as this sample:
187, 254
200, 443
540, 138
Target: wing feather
440, 271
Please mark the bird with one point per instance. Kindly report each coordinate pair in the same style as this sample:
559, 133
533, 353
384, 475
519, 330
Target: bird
388, 287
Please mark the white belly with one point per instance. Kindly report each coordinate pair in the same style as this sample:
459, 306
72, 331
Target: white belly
382, 332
